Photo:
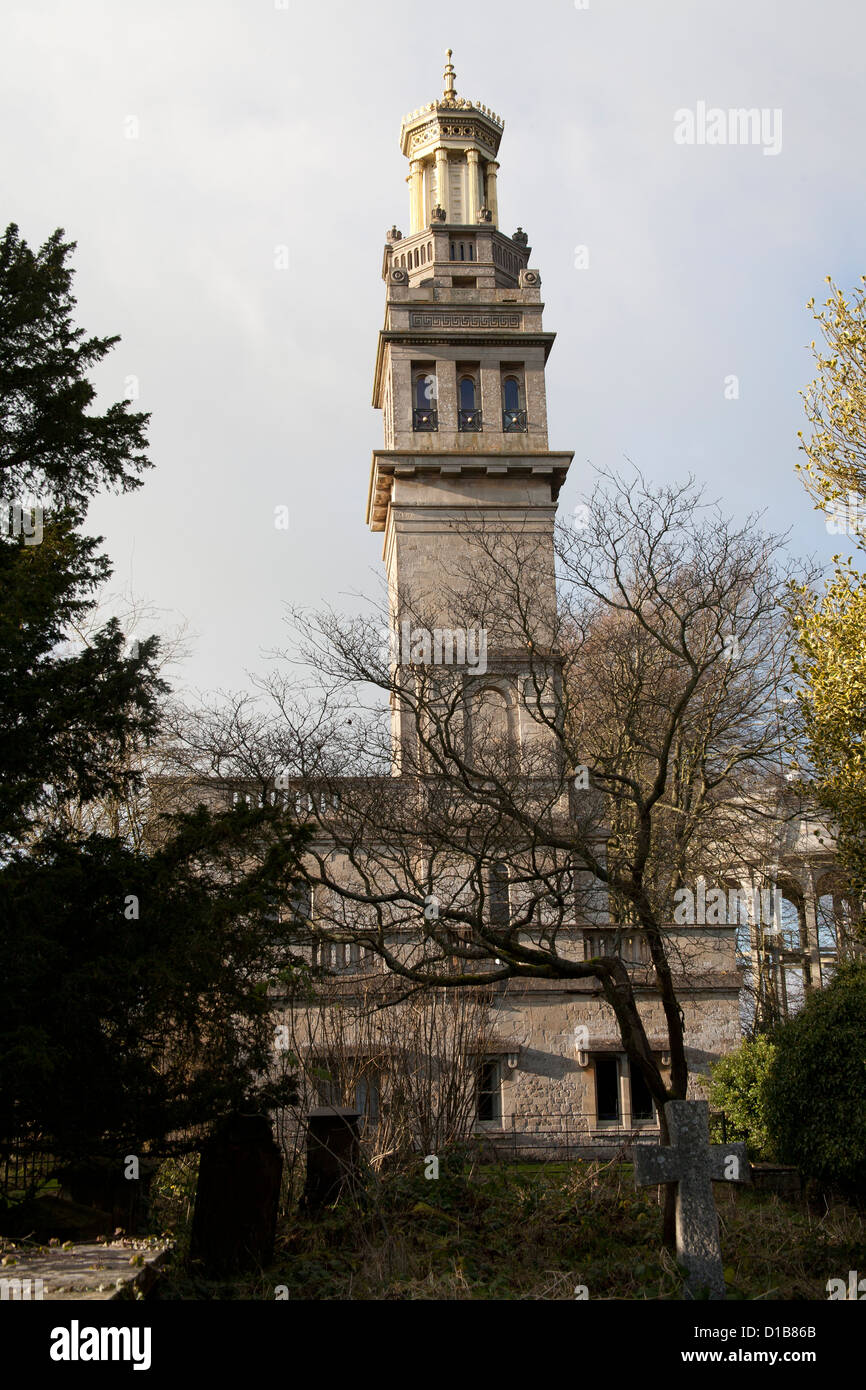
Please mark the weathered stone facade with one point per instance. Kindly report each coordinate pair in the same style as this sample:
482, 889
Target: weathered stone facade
460, 379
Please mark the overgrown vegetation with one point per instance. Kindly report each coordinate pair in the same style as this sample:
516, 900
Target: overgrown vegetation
528, 1231
816, 1087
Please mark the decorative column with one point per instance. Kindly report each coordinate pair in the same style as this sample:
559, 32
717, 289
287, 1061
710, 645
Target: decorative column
472, 203
810, 932
492, 203
442, 181
416, 196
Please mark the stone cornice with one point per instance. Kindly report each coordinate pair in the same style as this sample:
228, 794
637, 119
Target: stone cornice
390, 462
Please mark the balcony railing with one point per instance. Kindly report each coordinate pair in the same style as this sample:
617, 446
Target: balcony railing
633, 947
469, 419
425, 420
514, 421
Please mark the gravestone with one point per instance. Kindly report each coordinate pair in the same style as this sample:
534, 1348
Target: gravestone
694, 1164
333, 1155
237, 1197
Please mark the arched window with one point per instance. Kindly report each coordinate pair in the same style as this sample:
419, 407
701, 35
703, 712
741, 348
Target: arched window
471, 252
462, 251
416, 256
493, 744
424, 415
468, 414
513, 412
453, 252
423, 255
429, 250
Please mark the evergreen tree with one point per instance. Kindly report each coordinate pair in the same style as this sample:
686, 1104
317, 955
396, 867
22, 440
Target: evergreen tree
70, 720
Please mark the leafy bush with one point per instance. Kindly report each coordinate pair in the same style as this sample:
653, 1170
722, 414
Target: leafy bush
738, 1087
816, 1089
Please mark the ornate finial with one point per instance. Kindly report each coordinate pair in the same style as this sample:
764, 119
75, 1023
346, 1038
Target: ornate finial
450, 93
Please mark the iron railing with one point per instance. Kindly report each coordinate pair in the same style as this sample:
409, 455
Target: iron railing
425, 419
514, 421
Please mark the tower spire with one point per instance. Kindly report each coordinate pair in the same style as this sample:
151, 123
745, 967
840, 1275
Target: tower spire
450, 93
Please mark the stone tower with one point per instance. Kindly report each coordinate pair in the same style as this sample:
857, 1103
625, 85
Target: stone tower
460, 380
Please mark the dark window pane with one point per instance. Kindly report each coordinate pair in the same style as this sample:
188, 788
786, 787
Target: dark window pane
641, 1100
301, 902
467, 393
607, 1088
367, 1098
512, 393
498, 890
488, 1103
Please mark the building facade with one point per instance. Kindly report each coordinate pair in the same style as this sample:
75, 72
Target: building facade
460, 381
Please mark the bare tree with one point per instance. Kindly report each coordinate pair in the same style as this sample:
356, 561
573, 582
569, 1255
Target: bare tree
641, 715
407, 1063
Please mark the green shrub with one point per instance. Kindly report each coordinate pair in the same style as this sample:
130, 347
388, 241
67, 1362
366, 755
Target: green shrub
738, 1087
816, 1089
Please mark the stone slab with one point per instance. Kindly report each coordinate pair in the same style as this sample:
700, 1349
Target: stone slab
92, 1270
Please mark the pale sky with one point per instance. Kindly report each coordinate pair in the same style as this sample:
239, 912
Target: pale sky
259, 125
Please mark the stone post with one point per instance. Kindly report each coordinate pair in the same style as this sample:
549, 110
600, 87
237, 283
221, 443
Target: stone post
333, 1155
472, 203
810, 932
416, 195
442, 181
237, 1196
492, 201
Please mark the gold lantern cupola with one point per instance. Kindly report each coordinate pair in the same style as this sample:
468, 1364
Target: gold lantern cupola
452, 145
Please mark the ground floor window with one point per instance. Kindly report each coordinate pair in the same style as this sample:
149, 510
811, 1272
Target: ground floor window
613, 1073
607, 1088
488, 1090
367, 1098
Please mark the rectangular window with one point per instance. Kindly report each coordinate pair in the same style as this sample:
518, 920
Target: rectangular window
641, 1100
301, 902
497, 888
488, 1098
328, 1083
607, 1088
367, 1098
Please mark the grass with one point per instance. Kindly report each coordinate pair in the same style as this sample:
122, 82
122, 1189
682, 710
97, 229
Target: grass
531, 1231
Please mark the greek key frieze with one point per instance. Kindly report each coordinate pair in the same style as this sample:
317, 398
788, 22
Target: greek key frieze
432, 319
